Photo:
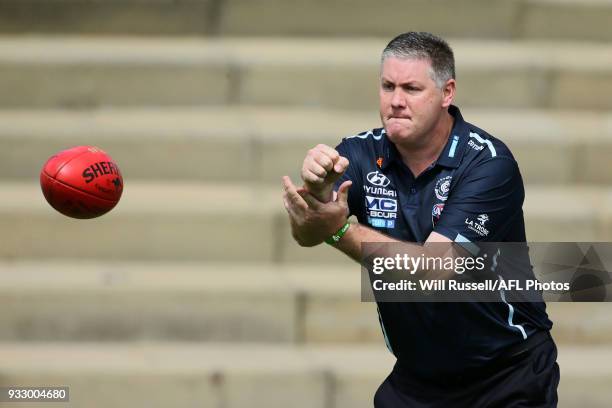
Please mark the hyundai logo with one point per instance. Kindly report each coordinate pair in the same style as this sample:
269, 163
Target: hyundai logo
378, 179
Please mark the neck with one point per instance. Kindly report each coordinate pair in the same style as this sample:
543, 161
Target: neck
419, 157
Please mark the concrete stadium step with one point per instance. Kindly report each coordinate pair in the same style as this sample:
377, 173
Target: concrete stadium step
553, 19
110, 301
214, 222
85, 72
134, 301
153, 221
158, 17
261, 144
156, 375
189, 143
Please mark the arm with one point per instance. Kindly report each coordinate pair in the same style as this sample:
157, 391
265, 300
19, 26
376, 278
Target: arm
491, 194
313, 221
357, 234
316, 211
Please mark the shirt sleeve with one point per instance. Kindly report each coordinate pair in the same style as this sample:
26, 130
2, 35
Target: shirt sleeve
484, 203
353, 173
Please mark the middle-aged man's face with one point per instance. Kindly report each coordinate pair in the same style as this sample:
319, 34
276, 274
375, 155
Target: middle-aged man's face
410, 102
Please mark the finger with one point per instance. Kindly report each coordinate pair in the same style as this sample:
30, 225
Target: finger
311, 165
328, 151
285, 201
287, 205
323, 160
311, 178
341, 165
312, 202
343, 192
293, 198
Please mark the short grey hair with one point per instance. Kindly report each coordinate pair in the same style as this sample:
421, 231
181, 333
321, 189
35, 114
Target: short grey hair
422, 45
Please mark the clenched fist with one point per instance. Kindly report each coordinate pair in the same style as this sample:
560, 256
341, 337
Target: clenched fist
322, 166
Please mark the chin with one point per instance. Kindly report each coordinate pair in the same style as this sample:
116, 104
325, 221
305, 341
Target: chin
399, 135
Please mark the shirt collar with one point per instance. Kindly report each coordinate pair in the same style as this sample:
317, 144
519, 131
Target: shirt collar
451, 154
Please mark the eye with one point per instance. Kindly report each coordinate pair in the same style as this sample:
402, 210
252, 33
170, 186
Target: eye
412, 88
387, 86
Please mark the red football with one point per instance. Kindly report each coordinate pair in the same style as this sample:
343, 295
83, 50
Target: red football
81, 182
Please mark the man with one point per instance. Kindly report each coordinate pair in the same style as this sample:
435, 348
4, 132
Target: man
440, 179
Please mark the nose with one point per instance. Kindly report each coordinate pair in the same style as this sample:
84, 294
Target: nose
398, 101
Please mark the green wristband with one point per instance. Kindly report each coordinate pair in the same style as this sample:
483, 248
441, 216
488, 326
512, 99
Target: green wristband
339, 234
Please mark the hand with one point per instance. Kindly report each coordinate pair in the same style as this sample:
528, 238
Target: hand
313, 221
322, 167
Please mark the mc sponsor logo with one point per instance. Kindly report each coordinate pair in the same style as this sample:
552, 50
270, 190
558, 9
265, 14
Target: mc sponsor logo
380, 207
381, 204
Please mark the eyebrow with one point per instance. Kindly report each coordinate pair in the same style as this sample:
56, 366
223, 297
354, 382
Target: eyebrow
411, 83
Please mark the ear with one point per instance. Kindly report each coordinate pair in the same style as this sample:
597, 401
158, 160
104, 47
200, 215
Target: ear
448, 93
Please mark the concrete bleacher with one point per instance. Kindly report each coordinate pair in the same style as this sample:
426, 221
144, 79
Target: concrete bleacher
191, 292
287, 72
216, 222
153, 374
559, 147
512, 19
204, 301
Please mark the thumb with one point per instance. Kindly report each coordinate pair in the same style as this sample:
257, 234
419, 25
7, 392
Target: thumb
310, 200
343, 192
339, 168
341, 165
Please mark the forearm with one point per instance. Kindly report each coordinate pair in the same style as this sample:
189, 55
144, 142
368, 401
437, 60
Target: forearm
352, 242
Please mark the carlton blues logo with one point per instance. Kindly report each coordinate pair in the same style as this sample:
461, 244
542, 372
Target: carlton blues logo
443, 188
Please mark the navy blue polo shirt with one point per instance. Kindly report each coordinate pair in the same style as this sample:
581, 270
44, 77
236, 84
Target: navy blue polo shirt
472, 193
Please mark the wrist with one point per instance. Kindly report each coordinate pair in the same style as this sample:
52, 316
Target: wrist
337, 236
324, 194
